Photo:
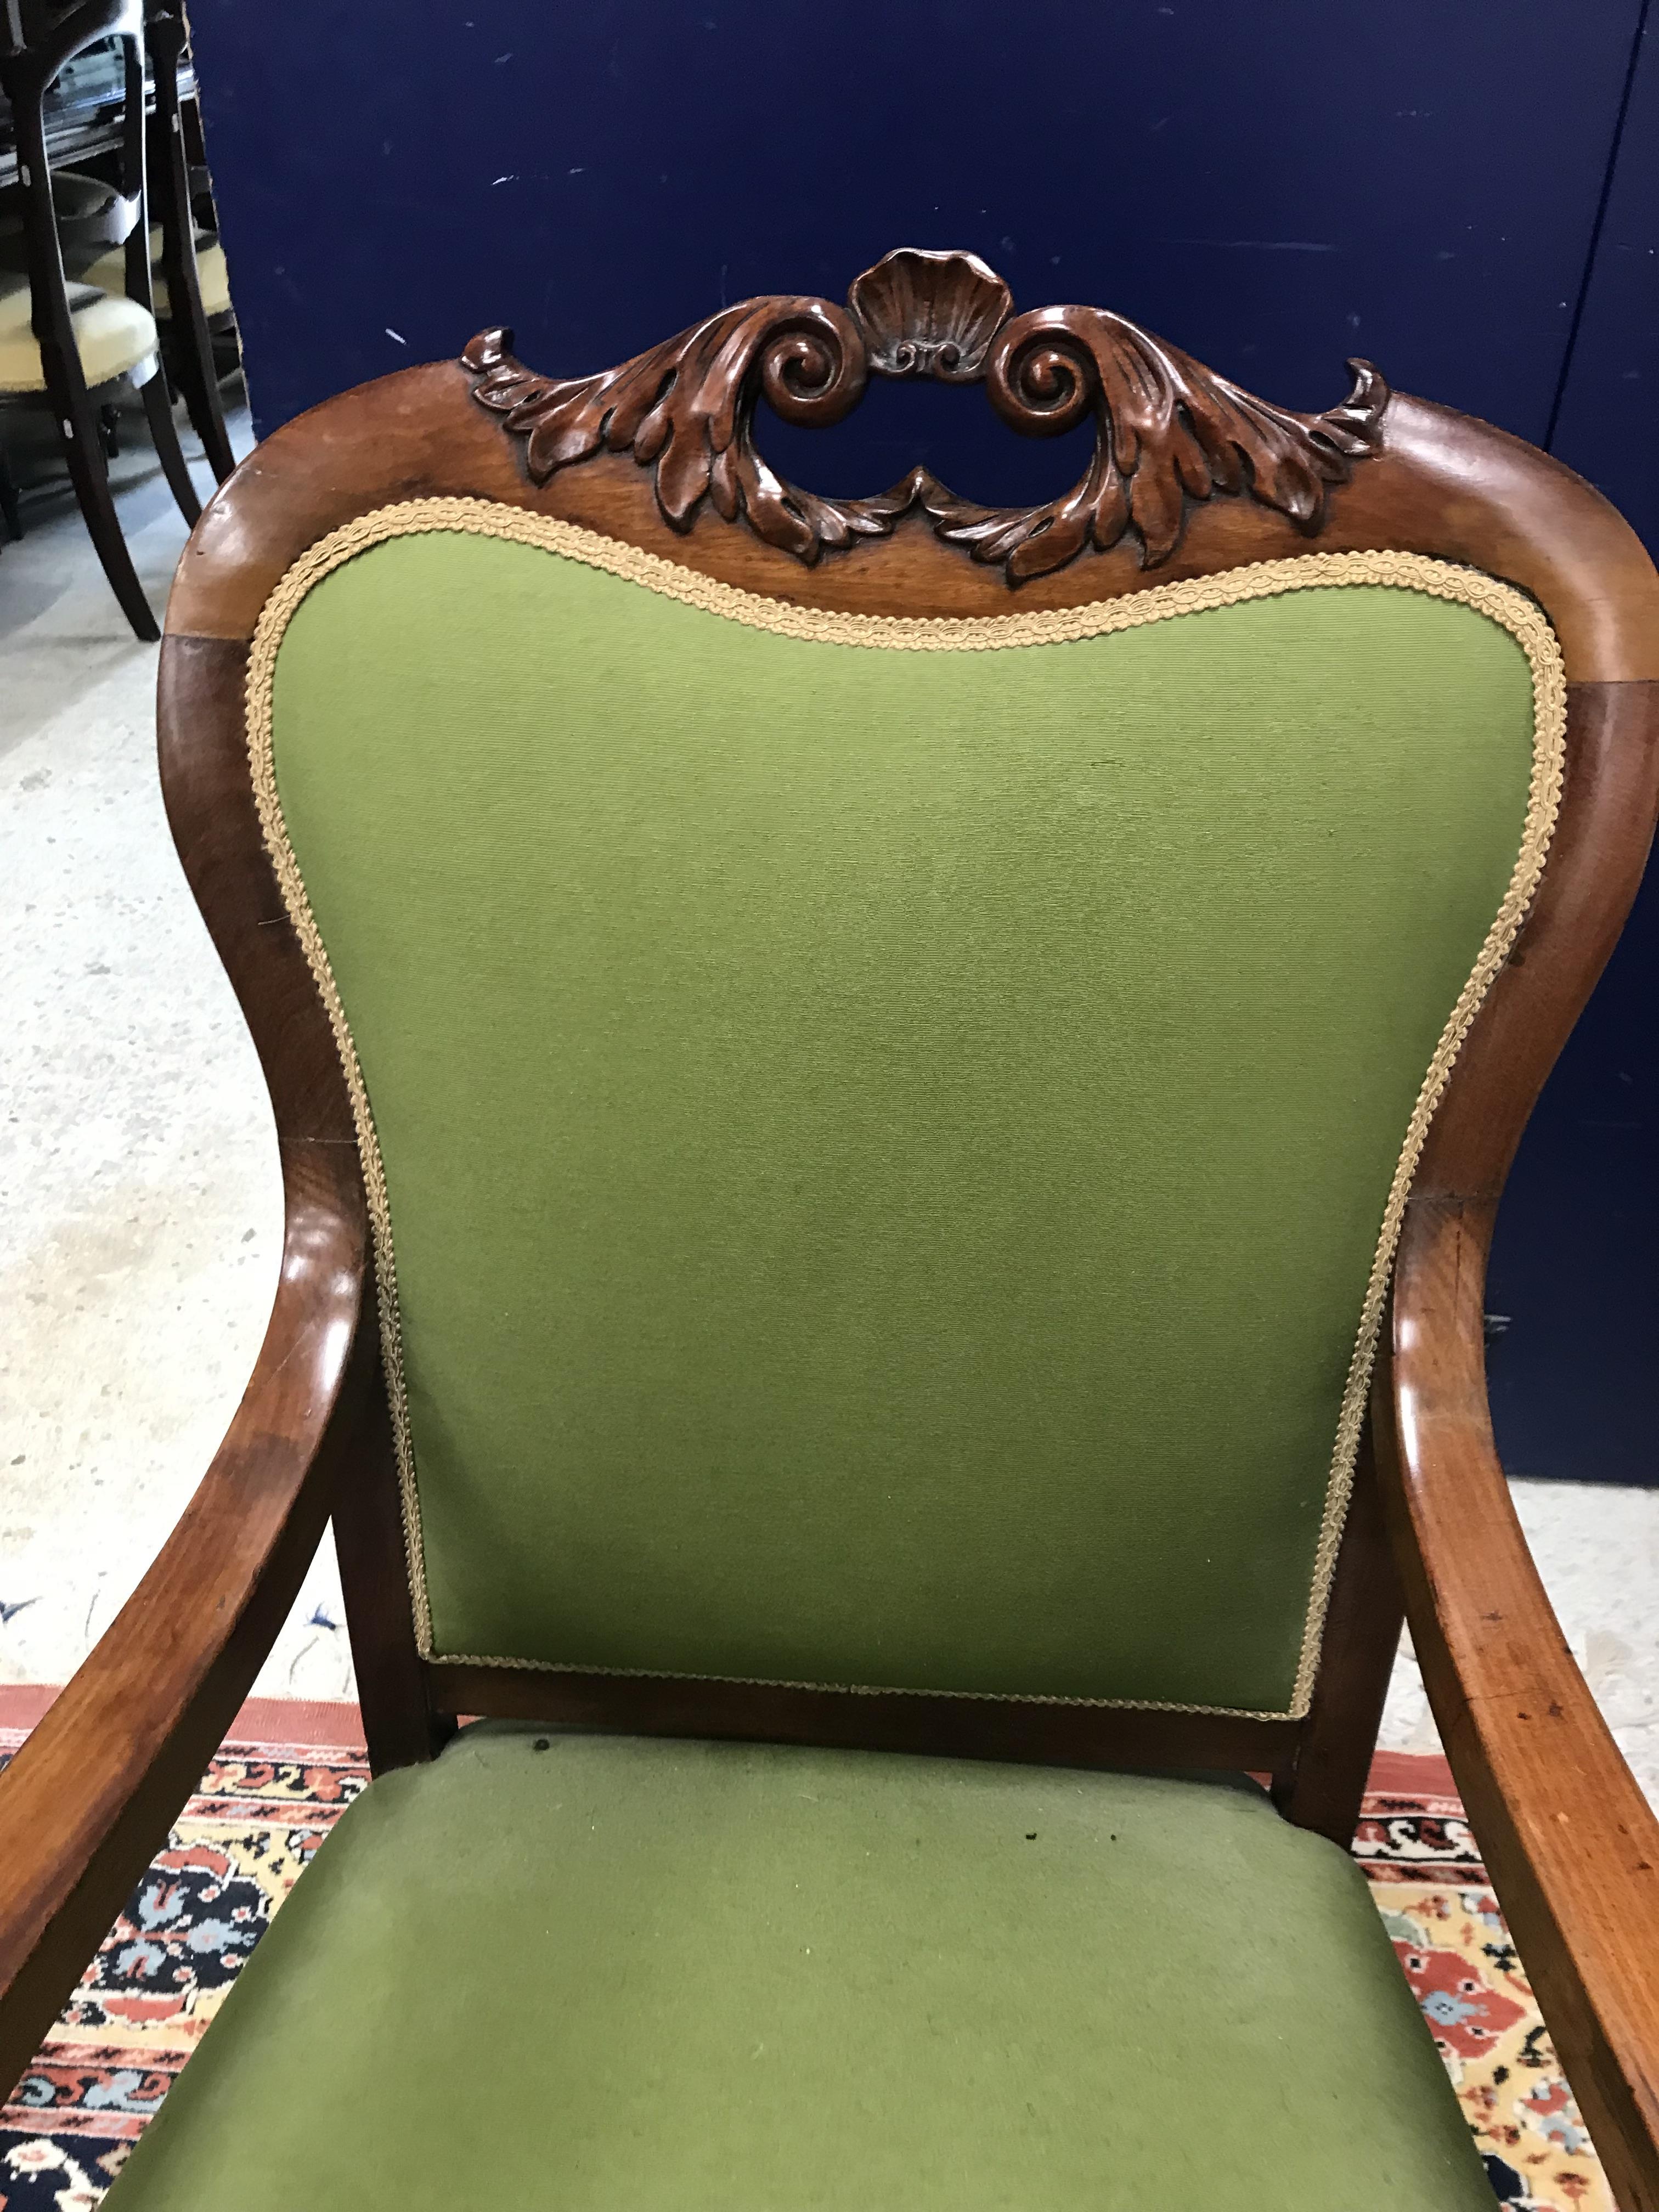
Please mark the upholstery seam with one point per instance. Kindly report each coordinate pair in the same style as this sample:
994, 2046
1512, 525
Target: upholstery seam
1521, 617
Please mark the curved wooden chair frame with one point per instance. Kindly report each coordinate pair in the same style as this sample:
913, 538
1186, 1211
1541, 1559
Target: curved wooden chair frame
1189, 477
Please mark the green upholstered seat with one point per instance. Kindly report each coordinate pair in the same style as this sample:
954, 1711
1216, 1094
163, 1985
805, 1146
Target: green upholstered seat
614, 1975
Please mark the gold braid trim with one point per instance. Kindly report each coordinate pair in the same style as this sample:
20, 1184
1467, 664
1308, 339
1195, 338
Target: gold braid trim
1524, 620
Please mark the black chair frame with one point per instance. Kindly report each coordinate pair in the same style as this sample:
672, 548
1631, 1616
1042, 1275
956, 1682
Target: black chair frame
26, 71
190, 354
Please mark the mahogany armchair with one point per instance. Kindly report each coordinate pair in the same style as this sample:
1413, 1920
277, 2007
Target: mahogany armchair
891, 1115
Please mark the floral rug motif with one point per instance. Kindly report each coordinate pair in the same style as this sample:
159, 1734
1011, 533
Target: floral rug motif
1424, 1865
262, 1809
163, 1972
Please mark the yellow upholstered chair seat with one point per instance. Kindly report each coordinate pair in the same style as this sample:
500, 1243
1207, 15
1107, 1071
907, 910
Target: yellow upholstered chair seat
112, 335
109, 273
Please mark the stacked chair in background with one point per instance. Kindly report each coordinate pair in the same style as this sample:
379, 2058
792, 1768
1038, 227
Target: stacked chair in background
187, 262
87, 264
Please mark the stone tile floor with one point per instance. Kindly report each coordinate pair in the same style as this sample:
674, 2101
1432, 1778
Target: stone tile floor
140, 1201
140, 1207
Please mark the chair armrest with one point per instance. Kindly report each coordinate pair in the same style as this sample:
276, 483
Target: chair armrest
90, 1796
1570, 1841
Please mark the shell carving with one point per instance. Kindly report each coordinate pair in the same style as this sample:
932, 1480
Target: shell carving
930, 314
1168, 430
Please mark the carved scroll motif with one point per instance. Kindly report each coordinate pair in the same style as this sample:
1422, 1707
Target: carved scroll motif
1168, 430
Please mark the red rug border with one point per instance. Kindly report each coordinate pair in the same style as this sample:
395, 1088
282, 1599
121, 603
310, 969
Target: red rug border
340, 1728
261, 1720
1411, 1774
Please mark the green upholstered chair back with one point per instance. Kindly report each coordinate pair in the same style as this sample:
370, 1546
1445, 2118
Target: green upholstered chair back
885, 1139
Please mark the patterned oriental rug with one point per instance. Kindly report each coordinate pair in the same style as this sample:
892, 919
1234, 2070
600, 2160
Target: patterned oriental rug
1425, 1869
277, 1787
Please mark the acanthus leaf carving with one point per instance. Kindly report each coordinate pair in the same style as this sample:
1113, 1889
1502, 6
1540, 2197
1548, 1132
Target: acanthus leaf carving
686, 409
1169, 432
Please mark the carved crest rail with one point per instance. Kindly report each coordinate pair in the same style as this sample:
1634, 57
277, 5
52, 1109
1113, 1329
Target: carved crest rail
1168, 430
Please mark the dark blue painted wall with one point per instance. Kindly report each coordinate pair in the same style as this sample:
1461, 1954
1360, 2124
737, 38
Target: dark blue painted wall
1608, 422
1575, 1377
1274, 187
